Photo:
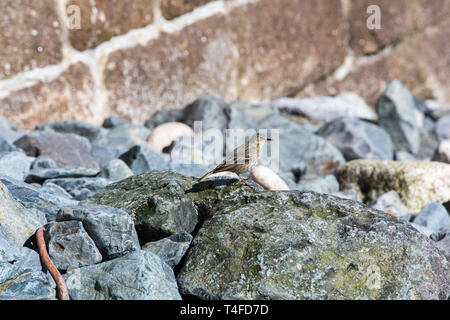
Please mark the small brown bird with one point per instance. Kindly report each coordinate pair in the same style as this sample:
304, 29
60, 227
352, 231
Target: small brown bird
242, 159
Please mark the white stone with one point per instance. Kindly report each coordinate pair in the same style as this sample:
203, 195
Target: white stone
268, 179
163, 135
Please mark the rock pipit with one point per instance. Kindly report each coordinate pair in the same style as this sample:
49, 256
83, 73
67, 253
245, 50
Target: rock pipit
242, 159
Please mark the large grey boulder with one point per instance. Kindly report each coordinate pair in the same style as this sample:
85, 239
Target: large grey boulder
358, 139
255, 244
139, 275
293, 245
111, 229
397, 115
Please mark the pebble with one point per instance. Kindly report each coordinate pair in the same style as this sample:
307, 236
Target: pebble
268, 179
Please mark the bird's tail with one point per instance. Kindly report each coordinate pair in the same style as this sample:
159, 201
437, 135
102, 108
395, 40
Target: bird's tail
205, 175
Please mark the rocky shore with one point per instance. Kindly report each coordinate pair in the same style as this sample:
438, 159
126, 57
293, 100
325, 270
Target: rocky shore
356, 208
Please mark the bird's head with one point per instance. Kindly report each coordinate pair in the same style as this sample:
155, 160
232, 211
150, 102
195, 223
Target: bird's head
260, 138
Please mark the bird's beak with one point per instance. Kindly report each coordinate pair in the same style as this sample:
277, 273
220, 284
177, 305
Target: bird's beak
268, 139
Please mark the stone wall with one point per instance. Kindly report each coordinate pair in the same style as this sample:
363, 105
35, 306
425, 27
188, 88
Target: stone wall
132, 57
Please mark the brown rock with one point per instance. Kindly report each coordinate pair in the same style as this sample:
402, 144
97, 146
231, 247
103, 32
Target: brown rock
29, 37
103, 19
398, 19
69, 96
422, 63
285, 44
173, 8
163, 135
67, 150
172, 71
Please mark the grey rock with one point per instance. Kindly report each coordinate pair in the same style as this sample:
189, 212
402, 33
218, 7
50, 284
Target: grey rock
212, 111
80, 188
67, 150
396, 114
137, 276
143, 158
391, 203
358, 139
255, 111
16, 222
70, 246
434, 216
104, 155
122, 137
404, 156
163, 116
298, 147
325, 184
10, 251
303, 245
44, 162
156, 201
6, 146
116, 170
327, 108
195, 150
350, 194
9, 131
429, 108
444, 245
287, 244
24, 280
83, 129
15, 164
42, 202
442, 152
443, 128
428, 141
423, 230
40, 175
192, 170
112, 122
170, 249
111, 229
56, 190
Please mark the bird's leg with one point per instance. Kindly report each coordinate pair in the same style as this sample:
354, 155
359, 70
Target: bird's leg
244, 180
